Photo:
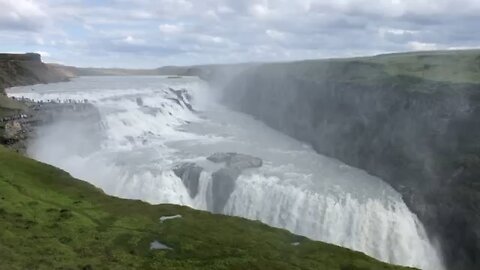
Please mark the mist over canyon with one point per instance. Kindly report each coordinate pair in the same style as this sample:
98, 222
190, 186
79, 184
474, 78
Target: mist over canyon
144, 128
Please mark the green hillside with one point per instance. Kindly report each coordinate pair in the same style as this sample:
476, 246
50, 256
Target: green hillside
49, 220
462, 66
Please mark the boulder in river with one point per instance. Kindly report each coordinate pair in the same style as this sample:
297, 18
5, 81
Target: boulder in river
190, 174
223, 184
182, 98
236, 160
223, 180
139, 101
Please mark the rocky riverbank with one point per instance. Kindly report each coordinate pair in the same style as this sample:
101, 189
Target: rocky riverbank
18, 116
18, 126
410, 119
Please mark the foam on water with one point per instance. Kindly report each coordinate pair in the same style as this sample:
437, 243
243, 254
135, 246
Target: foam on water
135, 147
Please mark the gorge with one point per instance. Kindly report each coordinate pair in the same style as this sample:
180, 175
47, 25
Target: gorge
144, 131
410, 119
407, 119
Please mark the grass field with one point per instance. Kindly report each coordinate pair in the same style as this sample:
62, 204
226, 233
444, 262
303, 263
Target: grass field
447, 66
49, 220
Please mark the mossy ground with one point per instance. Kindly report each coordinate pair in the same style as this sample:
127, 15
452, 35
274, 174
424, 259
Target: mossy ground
49, 220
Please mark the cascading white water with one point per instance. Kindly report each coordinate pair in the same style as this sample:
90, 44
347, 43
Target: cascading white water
144, 132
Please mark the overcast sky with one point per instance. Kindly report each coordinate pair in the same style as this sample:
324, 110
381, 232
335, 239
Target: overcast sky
152, 33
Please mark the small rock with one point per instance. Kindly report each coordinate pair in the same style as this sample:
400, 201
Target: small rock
13, 129
236, 160
220, 157
158, 245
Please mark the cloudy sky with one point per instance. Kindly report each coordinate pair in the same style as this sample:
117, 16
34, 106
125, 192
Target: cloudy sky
152, 33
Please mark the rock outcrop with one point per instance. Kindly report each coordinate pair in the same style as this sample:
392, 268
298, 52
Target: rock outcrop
18, 126
190, 175
16, 116
236, 160
422, 136
223, 180
26, 69
182, 98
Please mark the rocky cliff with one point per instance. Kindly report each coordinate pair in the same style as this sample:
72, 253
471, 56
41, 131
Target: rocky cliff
15, 70
411, 119
26, 69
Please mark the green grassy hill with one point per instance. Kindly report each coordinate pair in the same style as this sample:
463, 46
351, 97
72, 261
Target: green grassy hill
462, 66
49, 220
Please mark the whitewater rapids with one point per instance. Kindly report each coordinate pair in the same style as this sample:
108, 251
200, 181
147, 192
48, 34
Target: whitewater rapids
142, 133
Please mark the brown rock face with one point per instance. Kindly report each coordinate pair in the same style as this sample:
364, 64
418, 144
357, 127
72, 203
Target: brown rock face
26, 69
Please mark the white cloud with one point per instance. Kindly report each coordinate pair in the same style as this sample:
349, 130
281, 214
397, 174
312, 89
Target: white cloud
274, 34
133, 41
396, 31
225, 10
23, 15
170, 28
43, 54
259, 10
422, 46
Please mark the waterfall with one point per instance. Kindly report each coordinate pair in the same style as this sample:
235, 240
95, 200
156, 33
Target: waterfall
146, 129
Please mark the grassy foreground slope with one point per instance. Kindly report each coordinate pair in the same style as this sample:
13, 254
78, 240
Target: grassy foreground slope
49, 220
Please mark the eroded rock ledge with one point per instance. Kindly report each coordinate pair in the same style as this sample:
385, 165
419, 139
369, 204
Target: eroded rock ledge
223, 179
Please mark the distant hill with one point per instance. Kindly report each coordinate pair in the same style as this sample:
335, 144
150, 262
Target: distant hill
78, 71
207, 72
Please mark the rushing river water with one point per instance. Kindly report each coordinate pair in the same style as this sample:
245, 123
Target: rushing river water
142, 133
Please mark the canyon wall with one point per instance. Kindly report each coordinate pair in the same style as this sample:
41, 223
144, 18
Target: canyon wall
413, 120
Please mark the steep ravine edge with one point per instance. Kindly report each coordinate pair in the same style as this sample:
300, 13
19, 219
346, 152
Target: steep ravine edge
419, 135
